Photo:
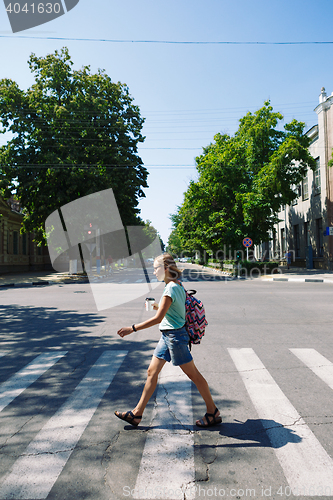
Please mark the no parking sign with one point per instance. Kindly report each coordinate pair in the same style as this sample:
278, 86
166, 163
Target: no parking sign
247, 242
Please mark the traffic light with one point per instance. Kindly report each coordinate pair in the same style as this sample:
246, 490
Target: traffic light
90, 230
239, 255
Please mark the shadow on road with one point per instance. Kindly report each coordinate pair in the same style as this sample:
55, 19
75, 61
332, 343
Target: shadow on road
254, 433
27, 331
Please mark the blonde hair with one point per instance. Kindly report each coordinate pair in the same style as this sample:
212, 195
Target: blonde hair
170, 264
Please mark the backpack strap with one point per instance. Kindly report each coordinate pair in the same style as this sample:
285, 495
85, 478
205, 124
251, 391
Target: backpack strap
189, 292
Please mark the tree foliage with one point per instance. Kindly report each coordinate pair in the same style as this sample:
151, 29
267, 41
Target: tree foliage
151, 234
175, 246
242, 183
74, 133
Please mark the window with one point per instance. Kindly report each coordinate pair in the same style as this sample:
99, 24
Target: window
316, 179
296, 240
305, 188
15, 243
319, 237
298, 191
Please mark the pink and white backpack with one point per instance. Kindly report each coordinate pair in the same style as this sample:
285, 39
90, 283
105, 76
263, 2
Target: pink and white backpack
195, 317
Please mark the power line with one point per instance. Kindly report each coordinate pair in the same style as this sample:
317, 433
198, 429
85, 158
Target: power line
190, 149
171, 42
69, 165
304, 104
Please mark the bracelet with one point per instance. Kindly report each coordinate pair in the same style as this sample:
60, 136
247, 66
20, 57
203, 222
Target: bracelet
133, 328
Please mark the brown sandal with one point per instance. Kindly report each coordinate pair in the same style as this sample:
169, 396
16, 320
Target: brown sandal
129, 417
209, 423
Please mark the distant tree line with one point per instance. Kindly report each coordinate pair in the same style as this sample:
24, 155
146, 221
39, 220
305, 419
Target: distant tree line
243, 181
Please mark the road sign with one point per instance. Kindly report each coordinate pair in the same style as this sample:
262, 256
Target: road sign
90, 246
247, 242
329, 231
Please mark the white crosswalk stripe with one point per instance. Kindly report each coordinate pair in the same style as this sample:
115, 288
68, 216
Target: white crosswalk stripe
167, 467
306, 464
321, 366
13, 387
35, 472
167, 463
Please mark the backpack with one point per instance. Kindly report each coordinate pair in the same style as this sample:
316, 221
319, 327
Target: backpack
195, 318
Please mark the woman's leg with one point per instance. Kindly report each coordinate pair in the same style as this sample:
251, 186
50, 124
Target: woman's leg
153, 371
193, 374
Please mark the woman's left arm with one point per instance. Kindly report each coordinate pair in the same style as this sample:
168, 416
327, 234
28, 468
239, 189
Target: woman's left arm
155, 320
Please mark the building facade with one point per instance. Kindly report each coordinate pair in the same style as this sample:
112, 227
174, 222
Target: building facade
18, 252
303, 227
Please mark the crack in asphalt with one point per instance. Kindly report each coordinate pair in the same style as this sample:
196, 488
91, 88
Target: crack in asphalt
22, 426
65, 450
169, 408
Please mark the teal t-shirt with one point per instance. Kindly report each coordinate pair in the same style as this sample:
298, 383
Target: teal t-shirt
175, 316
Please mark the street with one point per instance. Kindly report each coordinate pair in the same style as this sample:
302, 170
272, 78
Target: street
268, 358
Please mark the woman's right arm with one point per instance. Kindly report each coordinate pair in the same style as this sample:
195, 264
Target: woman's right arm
155, 320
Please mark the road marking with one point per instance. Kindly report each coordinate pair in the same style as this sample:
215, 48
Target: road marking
306, 465
13, 387
35, 472
139, 281
167, 465
321, 366
112, 294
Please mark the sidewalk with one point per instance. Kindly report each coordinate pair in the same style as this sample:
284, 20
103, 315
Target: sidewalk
301, 274
293, 274
38, 278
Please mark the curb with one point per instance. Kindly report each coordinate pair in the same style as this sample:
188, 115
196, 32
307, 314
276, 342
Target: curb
25, 285
42, 283
300, 280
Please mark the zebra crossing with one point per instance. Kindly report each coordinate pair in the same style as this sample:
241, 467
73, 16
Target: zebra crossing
119, 281
122, 281
304, 461
167, 462
27, 376
171, 437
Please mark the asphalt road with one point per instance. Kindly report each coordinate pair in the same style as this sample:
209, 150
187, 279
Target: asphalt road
267, 356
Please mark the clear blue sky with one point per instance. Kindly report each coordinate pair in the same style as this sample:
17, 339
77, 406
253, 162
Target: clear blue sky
189, 92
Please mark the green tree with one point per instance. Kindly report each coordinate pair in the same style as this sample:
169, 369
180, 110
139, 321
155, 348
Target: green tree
243, 181
174, 243
74, 133
151, 233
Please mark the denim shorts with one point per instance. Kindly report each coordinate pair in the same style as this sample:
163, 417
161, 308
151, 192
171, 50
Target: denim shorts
173, 346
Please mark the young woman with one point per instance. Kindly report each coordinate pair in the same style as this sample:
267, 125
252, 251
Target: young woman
173, 344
